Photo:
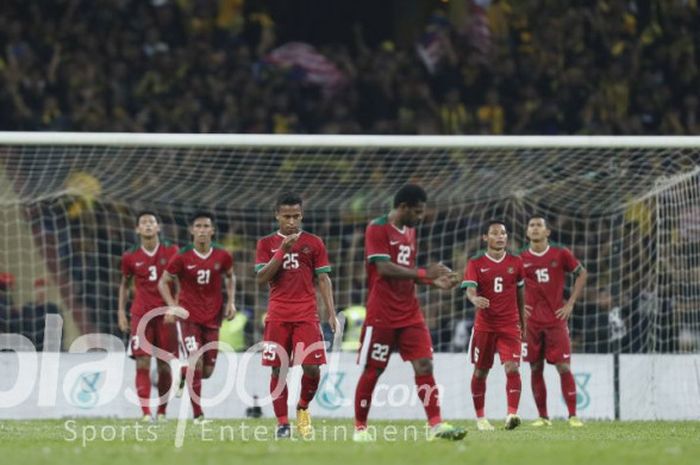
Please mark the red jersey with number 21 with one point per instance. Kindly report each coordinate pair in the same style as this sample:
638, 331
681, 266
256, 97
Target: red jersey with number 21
146, 268
201, 282
391, 303
498, 281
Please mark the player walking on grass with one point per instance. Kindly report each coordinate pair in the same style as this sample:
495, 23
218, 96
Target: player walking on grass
394, 319
546, 265
290, 260
145, 263
200, 270
495, 285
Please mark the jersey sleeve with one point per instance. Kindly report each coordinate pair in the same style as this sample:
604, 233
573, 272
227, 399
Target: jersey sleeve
470, 275
175, 265
262, 255
126, 265
569, 261
321, 262
377, 247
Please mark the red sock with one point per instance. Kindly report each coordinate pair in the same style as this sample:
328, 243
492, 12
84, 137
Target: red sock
539, 391
309, 386
196, 390
165, 379
143, 389
363, 396
479, 395
513, 388
279, 403
430, 396
568, 390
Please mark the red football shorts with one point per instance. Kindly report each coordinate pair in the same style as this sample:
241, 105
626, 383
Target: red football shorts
193, 336
377, 344
485, 344
159, 333
549, 343
299, 342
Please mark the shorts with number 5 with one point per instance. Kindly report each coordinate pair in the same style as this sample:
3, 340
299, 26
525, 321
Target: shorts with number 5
485, 344
412, 341
293, 343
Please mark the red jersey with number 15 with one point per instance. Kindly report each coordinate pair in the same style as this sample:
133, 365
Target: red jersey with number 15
146, 268
292, 290
498, 281
201, 282
545, 274
391, 303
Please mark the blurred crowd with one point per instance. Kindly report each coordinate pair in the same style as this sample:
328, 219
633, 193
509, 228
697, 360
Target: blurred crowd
493, 67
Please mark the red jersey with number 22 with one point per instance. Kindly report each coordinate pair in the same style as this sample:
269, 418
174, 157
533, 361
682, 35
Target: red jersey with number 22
498, 281
391, 303
146, 268
201, 282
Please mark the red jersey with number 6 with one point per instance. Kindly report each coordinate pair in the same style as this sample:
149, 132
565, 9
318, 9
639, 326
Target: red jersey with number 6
201, 282
497, 280
545, 274
146, 268
292, 290
391, 303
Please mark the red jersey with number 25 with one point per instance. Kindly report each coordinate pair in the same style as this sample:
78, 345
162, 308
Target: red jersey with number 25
201, 282
391, 303
545, 275
146, 268
292, 290
498, 281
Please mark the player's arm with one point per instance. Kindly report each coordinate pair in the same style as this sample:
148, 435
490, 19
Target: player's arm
267, 271
164, 287
476, 300
230, 311
520, 293
389, 270
581, 275
326, 287
121, 309
470, 284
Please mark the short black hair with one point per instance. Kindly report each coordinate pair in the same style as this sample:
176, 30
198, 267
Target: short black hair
147, 212
289, 198
411, 195
201, 214
538, 216
490, 223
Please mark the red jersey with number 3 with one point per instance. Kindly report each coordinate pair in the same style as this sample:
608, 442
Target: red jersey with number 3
292, 290
391, 303
545, 275
201, 282
146, 269
498, 281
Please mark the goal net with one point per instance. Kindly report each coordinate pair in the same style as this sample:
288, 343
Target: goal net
629, 209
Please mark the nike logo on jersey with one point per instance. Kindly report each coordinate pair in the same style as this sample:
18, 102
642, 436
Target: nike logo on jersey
138, 263
394, 242
317, 356
273, 250
189, 267
484, 270
527, 265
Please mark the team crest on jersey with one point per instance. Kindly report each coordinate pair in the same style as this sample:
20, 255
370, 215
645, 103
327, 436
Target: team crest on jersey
511, 270
162, 261
553, 264
306, 250
217, 266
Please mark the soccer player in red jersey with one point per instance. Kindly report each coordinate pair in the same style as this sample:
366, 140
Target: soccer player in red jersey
200, 270
546, 265
289, 260
495, 285
145, 264
394, 318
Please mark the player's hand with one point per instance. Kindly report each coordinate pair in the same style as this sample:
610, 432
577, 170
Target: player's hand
436, 270
123, 322
480, 302
230, 312
528, 311
333, 322
289, 241
174, 312
523, 333
447, 281
565, 312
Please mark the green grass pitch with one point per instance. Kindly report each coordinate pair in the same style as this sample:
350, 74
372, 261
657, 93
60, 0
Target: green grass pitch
252, 442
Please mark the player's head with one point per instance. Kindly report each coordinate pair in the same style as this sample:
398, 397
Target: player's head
409, 203
147, 224
496, 235
289, 213
537, 229
202, 227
